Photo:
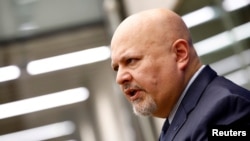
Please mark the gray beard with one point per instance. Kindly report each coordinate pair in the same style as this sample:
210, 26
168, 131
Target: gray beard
144, 107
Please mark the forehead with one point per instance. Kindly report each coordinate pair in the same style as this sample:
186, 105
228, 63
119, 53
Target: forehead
134, 39
122, 51
123, 44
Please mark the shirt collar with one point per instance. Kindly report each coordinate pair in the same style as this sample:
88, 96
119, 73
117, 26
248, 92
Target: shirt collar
172, 113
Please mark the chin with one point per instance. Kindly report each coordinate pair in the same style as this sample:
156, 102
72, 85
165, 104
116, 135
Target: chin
142, 110
145, 114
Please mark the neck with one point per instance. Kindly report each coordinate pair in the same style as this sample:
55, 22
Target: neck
192, 68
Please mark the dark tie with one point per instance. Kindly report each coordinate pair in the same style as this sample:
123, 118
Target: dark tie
164, 130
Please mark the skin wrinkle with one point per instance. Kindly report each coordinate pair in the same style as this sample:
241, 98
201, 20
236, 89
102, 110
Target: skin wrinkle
163, 59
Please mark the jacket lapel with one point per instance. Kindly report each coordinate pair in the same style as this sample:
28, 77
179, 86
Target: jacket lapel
190, 100
178, 121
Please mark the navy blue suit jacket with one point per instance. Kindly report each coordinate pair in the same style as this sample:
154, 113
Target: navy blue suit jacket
210, 100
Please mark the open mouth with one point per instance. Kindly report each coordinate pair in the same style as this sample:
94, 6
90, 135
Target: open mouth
132, 94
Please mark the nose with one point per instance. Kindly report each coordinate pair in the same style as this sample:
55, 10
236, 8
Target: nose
123, 76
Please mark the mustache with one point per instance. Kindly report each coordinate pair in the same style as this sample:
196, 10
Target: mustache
131, 87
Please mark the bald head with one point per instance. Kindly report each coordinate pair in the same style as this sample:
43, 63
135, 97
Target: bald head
162, 24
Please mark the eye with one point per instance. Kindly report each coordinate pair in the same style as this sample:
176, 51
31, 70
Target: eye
116, 68
130, 61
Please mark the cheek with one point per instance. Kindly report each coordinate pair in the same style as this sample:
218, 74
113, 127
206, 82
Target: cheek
149, 79
162, 79
152, 76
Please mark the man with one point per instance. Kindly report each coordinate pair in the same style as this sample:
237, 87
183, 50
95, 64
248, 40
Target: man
161, 75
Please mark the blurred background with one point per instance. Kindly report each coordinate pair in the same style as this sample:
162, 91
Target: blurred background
56, 83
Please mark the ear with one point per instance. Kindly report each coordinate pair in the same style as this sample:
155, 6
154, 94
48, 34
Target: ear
181, 49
